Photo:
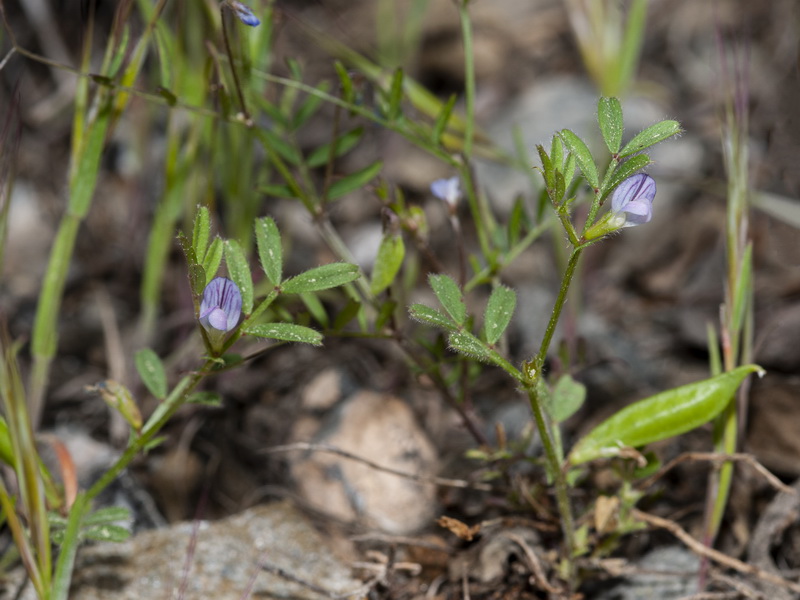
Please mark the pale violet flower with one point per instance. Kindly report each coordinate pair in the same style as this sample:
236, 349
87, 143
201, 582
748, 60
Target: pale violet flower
631, 205
243, 13
632, 202
447, 190
221, 306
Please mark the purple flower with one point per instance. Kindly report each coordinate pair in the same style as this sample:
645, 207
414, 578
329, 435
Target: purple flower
221, 306
634, 198
447, 190
244, 14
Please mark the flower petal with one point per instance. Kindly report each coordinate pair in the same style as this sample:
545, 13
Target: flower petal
218, 319
447, 190
221, 306
245, 15
636, 187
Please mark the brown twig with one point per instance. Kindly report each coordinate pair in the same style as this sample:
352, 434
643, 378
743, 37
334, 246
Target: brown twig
720, 457
440, 481
534, 565
702, 550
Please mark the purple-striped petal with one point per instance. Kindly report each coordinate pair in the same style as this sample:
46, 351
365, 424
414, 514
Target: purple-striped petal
634, 197
221, 306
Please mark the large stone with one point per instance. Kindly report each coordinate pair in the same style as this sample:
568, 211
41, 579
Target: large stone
381, 429
223, 559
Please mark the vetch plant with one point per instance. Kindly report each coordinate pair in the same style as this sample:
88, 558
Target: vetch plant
664, 415
264, 156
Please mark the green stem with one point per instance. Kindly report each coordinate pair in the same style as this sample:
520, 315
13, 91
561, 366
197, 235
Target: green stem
562, 488
544, 424
562, 298
158, 419
469, 77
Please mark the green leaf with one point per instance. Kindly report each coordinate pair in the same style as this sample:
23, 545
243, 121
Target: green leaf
569, 170
309, 107
467, 344
661, 416
106, 533
631, 166
239, 271
288, 332
347, 314
609, 117
197, 279
151, 370
395, 95
213, 259
516, 220
108, 514
449, 294
743, 290
430, 316
270, 250
547, 168
315, 307
577, 147
6, 450
348, 95
201, 232
567, 397
499, 311
205, 398
388, 262
284, 149
385, 313
442, 119
277, 190
557, 153
342, 145
650, 136
352, 182
188, 250
321, 278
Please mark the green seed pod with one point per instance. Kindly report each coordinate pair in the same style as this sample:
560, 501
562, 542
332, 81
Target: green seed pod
661, 416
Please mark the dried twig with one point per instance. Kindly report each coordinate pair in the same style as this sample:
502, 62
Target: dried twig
741, 589
533, 564
719, 457
700, 549
440, 481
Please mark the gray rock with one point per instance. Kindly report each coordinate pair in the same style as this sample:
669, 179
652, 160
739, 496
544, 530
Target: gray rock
668, 572
223, 563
